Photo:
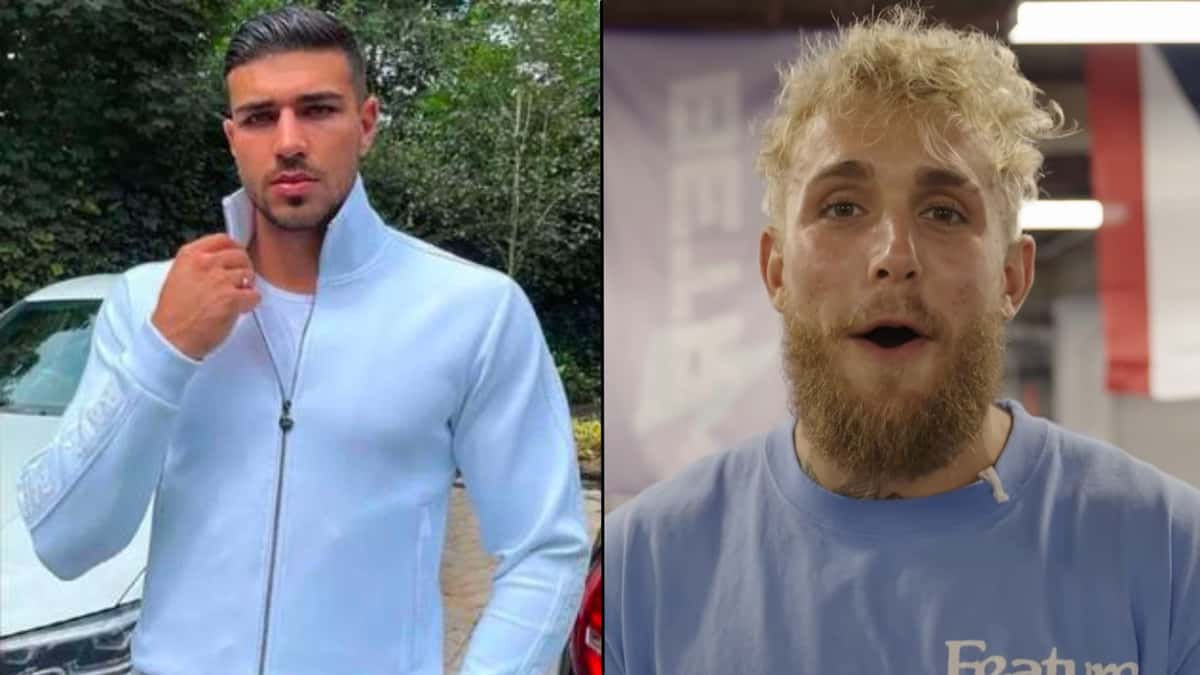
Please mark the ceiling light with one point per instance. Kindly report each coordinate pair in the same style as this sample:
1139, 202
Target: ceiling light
1096, 22
1074, 214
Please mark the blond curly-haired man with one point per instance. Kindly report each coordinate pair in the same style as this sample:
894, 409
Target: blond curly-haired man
901, 519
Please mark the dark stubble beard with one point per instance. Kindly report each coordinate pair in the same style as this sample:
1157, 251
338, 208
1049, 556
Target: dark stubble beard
888, 434
295, 222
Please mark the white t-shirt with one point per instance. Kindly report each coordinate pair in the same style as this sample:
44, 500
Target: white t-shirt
282, 314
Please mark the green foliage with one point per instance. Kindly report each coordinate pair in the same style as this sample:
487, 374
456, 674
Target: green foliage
498, 159
581, 379
111, 151
92, 96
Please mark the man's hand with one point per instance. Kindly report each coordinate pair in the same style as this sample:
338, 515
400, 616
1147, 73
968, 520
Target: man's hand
210, 283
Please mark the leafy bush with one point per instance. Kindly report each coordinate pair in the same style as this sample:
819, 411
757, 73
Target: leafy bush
110, 153
497, 158
581, 382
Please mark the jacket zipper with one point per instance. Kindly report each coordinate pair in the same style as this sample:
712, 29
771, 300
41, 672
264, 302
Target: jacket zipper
286, 422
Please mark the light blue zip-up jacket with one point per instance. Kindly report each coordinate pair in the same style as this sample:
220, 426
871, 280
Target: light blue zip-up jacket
415, 363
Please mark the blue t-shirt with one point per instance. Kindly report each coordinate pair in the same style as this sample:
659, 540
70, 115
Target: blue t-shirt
742, 564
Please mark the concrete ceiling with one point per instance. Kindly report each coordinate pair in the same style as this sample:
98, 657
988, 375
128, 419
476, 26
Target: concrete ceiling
781, 14
1040, 62
1057, 69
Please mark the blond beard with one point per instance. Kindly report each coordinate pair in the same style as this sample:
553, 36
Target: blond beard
886, 435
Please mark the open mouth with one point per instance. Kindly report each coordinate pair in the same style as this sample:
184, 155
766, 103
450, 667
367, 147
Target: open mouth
890, 337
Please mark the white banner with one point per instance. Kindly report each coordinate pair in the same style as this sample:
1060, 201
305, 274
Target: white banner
691, 344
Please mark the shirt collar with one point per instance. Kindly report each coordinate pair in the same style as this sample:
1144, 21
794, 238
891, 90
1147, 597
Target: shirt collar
892, 518
354, 238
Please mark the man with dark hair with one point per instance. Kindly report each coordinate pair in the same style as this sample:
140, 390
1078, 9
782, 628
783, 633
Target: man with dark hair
296, 29
296, 395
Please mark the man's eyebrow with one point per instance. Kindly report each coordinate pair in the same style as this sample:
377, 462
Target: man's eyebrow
850, 168
253, 106
931, 177
315, 97
320, 97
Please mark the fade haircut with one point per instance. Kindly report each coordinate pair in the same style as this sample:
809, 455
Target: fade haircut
291, 29
931, 74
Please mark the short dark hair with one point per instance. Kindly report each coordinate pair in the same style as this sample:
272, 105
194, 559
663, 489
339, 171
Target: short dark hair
295, 28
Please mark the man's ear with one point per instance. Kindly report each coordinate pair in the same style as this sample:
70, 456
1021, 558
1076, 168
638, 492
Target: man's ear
1018, 274
369, 114
770, 264
228, 127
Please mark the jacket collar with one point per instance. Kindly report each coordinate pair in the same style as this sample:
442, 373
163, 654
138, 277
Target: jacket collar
354, 238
